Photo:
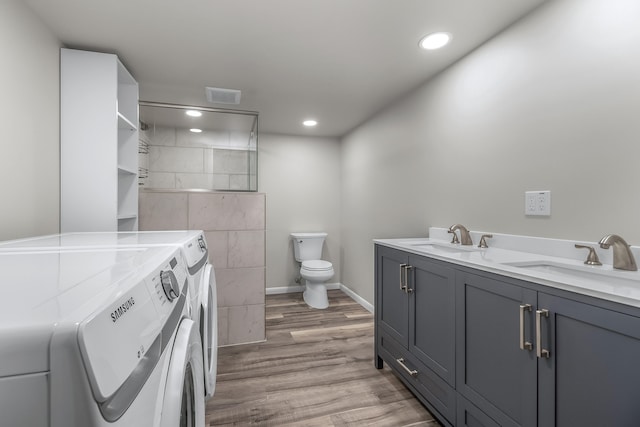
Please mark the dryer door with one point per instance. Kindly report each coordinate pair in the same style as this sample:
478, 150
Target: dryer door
183, 402
209, 328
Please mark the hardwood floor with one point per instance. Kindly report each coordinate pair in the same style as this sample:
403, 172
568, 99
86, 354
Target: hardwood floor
315, 369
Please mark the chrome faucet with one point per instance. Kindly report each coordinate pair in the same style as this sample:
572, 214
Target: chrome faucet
483, 240
592, 258
622, 257
465, 237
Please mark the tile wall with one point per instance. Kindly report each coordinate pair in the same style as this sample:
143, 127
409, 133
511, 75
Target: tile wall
234, 225
213, 160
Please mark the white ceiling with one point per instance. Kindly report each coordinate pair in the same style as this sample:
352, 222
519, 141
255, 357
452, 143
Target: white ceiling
338, 61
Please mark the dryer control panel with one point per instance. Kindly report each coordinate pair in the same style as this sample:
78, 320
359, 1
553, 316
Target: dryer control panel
196, 252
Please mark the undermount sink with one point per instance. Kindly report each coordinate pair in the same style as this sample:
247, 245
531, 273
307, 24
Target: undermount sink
591, 273
442, 247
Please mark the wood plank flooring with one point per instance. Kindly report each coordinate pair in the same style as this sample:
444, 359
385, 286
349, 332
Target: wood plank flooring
315, 369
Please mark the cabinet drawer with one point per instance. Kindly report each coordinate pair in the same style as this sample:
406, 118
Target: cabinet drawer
468, 415
432, 390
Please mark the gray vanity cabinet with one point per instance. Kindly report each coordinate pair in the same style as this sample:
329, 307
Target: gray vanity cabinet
392, 302
493, 372
525, 354
592, 374
415, 325
567, 363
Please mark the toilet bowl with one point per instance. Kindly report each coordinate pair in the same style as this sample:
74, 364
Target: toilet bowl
314, 271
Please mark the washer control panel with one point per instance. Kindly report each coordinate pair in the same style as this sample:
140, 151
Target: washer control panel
125, 331
169, 280
170, 284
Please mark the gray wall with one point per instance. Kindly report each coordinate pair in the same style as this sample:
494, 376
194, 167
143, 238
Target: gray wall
301, 178
553, 104
30, 123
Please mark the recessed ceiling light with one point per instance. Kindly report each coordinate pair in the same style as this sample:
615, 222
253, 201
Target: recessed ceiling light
310, 123
435, 41
195, 130
193, 113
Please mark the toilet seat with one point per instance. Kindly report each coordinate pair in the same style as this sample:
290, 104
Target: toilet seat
317, 265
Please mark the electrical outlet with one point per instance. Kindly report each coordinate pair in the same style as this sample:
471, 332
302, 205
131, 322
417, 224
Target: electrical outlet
530, 203
537, 203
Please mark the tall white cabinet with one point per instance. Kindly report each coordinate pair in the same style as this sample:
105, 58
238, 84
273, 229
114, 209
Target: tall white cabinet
99, 143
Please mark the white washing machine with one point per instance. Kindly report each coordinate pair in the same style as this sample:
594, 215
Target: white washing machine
98, 337
202, 284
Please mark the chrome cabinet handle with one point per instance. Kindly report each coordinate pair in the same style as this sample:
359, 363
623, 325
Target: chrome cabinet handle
411, 372
540, 352
524, 344
403, 275
407, 289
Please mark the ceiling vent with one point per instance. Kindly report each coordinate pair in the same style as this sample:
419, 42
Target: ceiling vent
217, 95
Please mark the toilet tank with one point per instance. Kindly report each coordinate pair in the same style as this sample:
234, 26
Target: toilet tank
308, 246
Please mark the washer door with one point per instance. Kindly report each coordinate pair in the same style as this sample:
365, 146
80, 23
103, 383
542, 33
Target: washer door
209, 328
183, 402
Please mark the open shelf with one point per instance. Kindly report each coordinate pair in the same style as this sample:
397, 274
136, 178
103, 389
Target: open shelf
127, 216
124, 123
125, 170
99, 182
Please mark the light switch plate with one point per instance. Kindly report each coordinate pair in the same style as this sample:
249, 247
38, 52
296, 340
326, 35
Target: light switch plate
537, 203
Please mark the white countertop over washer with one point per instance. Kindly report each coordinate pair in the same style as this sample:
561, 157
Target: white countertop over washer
86, 334
42, 289
203, 292
102, 239
191, 241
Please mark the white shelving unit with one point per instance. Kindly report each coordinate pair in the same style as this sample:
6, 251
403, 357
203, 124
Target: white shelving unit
99, 143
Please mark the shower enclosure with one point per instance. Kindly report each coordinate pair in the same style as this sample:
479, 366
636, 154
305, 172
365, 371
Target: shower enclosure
197, 148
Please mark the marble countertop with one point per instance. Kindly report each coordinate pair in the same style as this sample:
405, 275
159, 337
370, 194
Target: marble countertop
550, 262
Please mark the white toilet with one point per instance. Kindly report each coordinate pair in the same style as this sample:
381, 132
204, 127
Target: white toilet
307, 248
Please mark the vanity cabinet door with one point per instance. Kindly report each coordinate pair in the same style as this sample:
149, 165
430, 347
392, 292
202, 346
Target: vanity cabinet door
492, 371
591, 376
467, 415
392, 302
415, 333
432, 316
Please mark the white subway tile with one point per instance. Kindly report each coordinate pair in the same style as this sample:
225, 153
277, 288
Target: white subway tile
161, 136
194, 181
161, 180
239, 182
176, 159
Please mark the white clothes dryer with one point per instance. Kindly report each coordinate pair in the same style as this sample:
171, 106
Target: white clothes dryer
98, 337
202, 284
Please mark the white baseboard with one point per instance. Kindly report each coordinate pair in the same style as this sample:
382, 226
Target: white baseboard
357, 298
330, 286
296, 288
284, 290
